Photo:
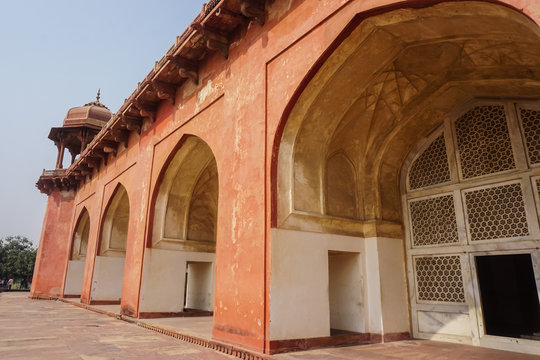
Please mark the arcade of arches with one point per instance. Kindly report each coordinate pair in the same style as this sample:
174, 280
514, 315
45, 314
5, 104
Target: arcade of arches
385, 185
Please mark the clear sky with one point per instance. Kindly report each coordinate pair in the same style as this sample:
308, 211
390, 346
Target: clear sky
54, 55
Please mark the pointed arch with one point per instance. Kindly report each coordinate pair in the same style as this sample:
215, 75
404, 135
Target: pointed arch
375, 108
389, 81
79, 243
186, 201
340, 192
179, 263
115, 224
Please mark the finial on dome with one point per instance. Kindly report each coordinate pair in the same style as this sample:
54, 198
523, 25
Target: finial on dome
96, 102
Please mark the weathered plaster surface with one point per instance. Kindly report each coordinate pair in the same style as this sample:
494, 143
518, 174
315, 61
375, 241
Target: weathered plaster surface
290, 96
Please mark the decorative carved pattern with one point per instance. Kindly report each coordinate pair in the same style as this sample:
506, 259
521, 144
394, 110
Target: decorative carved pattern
496, 212
431, 167
480, 52
131, 123
484, 144
434, 221
213, 38
530, 120
120, 136
145, 110
109, 147
439, 279
164, 90
101, 154
187, 69
253, 9
389, 93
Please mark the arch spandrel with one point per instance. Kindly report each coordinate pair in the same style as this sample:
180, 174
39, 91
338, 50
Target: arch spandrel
390, 83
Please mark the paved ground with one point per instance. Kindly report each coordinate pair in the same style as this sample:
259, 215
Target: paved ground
409, 350
43, 329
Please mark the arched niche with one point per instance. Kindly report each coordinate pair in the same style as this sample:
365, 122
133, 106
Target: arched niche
80, 236
115, 225
388, 84
179, 263
340, 192
108, 277
76, 263
185, 212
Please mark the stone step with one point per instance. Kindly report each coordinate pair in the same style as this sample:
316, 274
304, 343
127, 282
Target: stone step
535, 336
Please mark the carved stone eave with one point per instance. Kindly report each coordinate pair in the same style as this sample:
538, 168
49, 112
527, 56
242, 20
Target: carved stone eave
145, 109
55, 179
214, 39
119, 136
253, 9
164, 91
187, 69
108, 146
131, 123
210, 31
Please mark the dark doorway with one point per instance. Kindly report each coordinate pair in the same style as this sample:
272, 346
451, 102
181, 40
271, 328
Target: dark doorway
509, 296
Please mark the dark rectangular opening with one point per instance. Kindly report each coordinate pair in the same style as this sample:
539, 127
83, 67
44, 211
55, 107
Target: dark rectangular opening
509, 296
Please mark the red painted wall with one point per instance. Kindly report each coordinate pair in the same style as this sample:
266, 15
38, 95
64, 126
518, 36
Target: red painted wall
53, 250
236, 109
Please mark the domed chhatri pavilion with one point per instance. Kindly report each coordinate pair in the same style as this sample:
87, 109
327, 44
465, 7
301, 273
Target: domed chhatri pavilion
80, 126
298, 174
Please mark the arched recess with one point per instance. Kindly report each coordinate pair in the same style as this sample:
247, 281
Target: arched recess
79, 245
179, 264
115, 225
390, 82
109, 264
340, 195
386, 86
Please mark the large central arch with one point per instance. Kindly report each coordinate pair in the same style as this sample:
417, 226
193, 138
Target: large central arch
387, 85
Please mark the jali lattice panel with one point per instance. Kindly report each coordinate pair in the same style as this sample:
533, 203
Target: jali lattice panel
439, 278
530, 120
484, 144
496, 212
433, 221
431, 167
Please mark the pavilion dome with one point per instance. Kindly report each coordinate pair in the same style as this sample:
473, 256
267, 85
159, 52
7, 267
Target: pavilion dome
93, 114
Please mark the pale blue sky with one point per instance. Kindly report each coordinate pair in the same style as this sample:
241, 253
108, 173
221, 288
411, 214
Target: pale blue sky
54, 55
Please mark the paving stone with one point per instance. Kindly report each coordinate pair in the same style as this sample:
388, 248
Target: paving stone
47, 329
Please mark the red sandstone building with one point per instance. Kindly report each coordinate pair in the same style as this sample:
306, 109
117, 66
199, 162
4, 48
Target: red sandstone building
304, 169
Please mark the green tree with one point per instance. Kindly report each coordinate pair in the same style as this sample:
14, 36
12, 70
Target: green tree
17, 258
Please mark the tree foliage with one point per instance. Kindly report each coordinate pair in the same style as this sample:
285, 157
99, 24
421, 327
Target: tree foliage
17, 258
